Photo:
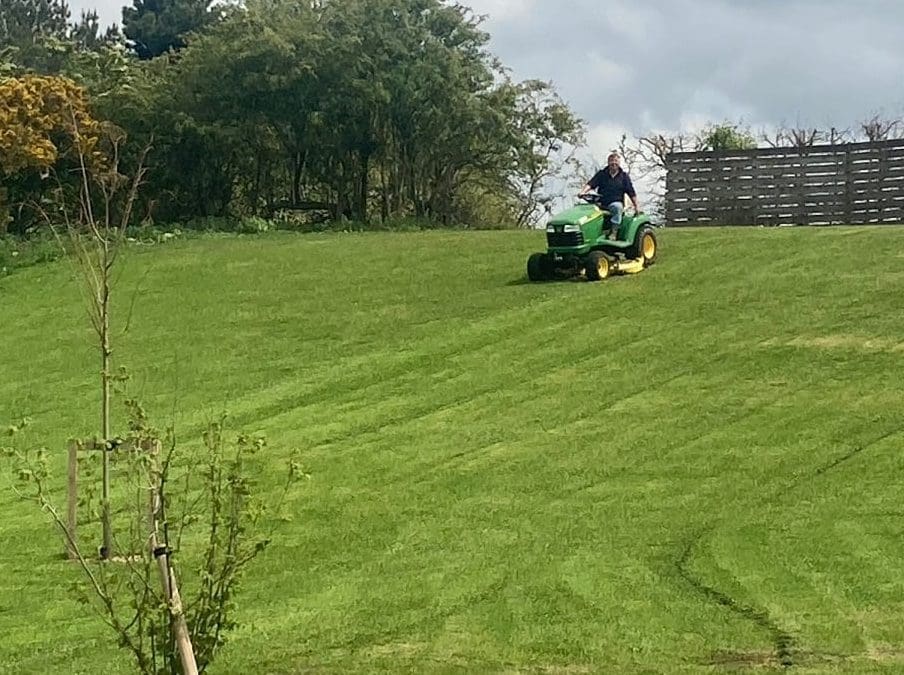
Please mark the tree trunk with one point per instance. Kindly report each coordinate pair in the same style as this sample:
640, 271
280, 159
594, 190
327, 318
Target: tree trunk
363, 188
4, 211
416, 200
256, 187
106, 353
341, 200
299, 163
384, 193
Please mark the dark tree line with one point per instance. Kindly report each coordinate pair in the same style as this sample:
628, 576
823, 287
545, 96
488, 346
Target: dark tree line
364, 110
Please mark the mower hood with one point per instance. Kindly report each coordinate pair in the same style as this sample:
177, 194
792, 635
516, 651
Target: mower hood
577, 215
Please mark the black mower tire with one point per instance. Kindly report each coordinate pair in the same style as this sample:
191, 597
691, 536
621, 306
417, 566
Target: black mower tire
598, 266
645, 245
538, 267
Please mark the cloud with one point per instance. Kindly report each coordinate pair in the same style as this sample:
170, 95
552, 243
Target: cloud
680, 62
505, 10
604, 137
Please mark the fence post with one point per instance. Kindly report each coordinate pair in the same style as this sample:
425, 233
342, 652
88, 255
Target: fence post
883, 174
848, 187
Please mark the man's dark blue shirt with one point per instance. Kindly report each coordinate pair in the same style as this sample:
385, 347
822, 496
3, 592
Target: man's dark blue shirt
612, 188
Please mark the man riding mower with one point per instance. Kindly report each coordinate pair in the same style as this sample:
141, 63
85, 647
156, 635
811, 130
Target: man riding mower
597, 238
611, 185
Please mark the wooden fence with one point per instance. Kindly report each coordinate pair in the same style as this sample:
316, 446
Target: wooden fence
854, 183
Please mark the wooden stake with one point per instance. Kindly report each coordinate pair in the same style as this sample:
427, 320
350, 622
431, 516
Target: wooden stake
167, 576
72, 505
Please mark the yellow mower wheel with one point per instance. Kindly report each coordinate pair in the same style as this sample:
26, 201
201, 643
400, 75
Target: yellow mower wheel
646, 246
598, 266
649, 246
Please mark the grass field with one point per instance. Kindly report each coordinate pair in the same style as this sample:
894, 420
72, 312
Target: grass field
696, 469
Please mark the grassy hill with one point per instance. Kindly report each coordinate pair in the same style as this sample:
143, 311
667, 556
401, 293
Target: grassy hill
694, 469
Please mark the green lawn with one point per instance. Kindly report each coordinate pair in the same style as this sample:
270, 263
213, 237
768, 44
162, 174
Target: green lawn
694, 469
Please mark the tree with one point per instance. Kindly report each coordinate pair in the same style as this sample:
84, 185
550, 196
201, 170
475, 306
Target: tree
23, 23
95, 219
30, 27
197, 520
154, 27
648, 158
545, 134
164, 634
45, 122
359, 108
41, 38
86, 33
372, 104
881, 128
726, 136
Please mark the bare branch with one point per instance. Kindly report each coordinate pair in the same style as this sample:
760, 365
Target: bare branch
839, 136
879, 128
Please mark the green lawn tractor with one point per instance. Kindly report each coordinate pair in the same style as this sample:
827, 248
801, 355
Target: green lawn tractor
578, 242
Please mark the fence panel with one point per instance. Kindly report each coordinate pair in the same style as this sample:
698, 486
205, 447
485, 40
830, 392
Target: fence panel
854, 183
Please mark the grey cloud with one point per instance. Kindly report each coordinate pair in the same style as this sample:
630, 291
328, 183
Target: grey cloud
823, 62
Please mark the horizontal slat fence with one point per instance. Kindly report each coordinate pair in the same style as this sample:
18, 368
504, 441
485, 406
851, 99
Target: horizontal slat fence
854, 183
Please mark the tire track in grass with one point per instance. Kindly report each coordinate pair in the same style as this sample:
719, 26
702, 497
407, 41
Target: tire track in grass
421, 472
421, 408
552, 366
375, 369
529, 376
833, 464
483, 592
829, 466
434, 350
783, 643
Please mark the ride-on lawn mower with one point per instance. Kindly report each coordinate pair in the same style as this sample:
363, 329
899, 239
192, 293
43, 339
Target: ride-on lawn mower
577, 242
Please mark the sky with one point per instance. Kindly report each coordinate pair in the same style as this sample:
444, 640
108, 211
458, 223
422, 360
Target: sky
675, 65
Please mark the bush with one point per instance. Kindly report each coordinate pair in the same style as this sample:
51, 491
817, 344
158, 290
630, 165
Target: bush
20, 252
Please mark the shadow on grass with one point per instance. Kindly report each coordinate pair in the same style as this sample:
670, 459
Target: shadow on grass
524, 281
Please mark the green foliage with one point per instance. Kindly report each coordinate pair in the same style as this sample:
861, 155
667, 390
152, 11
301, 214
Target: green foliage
231, 517
154, 27
361, 110
29, 29
358, 110
39, 36
85, 34
21, 252
214, 493
726, 136
24, 21
544, 134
